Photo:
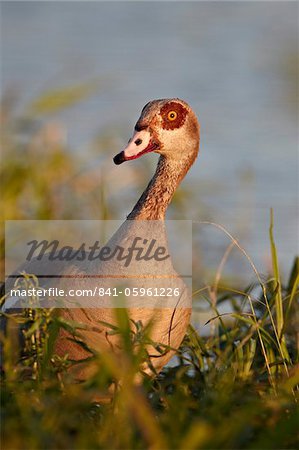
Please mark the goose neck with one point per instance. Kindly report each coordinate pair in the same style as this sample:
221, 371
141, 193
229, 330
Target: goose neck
154, 201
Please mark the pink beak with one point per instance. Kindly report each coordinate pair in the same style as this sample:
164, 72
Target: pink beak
138, 145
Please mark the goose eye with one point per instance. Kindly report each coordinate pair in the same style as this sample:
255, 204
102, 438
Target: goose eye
172, 115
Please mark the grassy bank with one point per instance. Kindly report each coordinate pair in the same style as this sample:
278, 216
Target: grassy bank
235, 388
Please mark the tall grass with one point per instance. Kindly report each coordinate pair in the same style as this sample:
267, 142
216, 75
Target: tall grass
235, 388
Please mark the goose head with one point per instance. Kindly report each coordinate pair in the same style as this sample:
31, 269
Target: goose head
168, 127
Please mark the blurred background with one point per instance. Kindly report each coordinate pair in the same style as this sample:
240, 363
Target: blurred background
75, 76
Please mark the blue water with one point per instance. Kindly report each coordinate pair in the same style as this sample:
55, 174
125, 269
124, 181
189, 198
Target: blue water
231, 61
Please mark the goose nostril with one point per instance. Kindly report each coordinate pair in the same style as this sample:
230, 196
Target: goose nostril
138, 141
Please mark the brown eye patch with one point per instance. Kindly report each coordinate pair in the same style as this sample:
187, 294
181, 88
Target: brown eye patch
173, 115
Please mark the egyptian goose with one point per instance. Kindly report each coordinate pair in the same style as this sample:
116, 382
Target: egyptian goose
168, 127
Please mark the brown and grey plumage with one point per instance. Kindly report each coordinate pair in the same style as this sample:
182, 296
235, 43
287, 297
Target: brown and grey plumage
168, 127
